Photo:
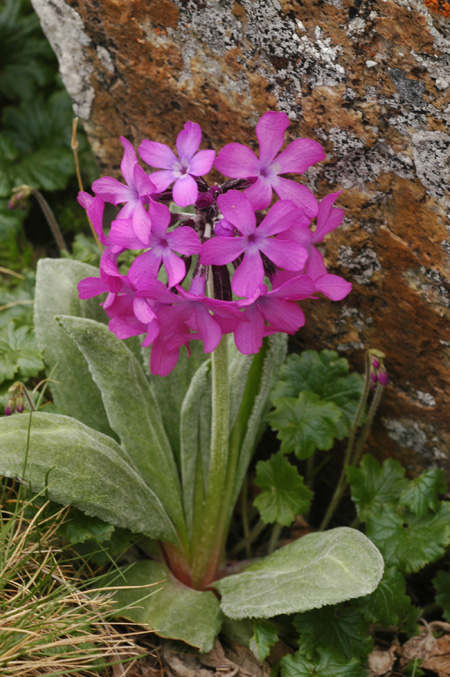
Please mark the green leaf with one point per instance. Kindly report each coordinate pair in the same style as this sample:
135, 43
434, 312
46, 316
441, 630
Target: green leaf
172, 390
26, 59
316, 570
251, 417
284, 496
339, 628
441, 584
410, 542
195, 436
304, 424
168, 608
80, 527
421, 496
388, 604
132, 409
374, 486
20, 358
84, 468
327, 375
265, 636
75, 392
328, 664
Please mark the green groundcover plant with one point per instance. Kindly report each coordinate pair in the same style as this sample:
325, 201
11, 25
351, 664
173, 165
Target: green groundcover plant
164, 450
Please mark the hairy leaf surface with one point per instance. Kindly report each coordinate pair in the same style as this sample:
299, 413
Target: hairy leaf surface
316, 570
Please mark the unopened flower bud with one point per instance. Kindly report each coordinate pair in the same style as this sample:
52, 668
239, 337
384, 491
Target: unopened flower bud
8, 410
19, 403
383, 376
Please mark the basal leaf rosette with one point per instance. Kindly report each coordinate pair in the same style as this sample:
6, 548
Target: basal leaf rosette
231, 263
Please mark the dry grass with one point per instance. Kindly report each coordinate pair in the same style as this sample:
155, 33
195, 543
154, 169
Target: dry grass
52, 621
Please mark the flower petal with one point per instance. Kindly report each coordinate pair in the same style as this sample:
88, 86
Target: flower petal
144, 270
185, 191
141, 223
329, 218
281, 216
160, 218
237, 161
157, 154
188, 140
219, 251
284, 253
238, 210
333, 286
249, 275
299, 194
208, 328
143, 310
111, 190
282, 315
270, 132
316, 267
125, 326
260, 193
162, 180
123, 235
299, 155
202, 162
248, 336
129, 161
91, 286
175, 267
184, 240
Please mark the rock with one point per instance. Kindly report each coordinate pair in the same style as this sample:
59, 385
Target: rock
371, 82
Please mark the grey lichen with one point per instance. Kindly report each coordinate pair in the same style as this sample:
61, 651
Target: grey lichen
65, 31
431, 151
361, 264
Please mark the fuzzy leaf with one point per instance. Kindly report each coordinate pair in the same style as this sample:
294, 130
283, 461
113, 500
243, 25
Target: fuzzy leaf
328, 664
20, 357
441, 584
316, 570
195, 437
388, 604
75, 394
251, 418
172, 389
410, 542
374, 486
341, 629
168, 608
304, 424
265, 635
284, 496
84, 468
421, 496
325, 374
132, 409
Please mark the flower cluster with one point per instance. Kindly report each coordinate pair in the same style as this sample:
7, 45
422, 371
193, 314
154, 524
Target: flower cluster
231, 263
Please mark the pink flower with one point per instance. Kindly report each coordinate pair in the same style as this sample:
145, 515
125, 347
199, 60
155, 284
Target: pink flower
254, 241
181, 169
135, 194
239, 162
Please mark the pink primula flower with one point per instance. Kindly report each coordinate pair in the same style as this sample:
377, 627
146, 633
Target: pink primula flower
181, 169
135, 194
254, 241
240, 162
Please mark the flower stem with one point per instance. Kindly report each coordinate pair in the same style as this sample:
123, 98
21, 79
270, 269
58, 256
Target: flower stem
208, 545
342, 483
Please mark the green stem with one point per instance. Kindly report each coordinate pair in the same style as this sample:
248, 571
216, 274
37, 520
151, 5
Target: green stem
365, 431
244, 511
209, 541
275, 535
342, 483
252, 536
51, 220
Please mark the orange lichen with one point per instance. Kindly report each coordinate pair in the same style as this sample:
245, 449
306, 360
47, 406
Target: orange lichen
439, 6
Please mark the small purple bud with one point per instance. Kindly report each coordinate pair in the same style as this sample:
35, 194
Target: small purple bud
383, 377
204, 200
373, 376
375, 362
8, 410
19, 404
